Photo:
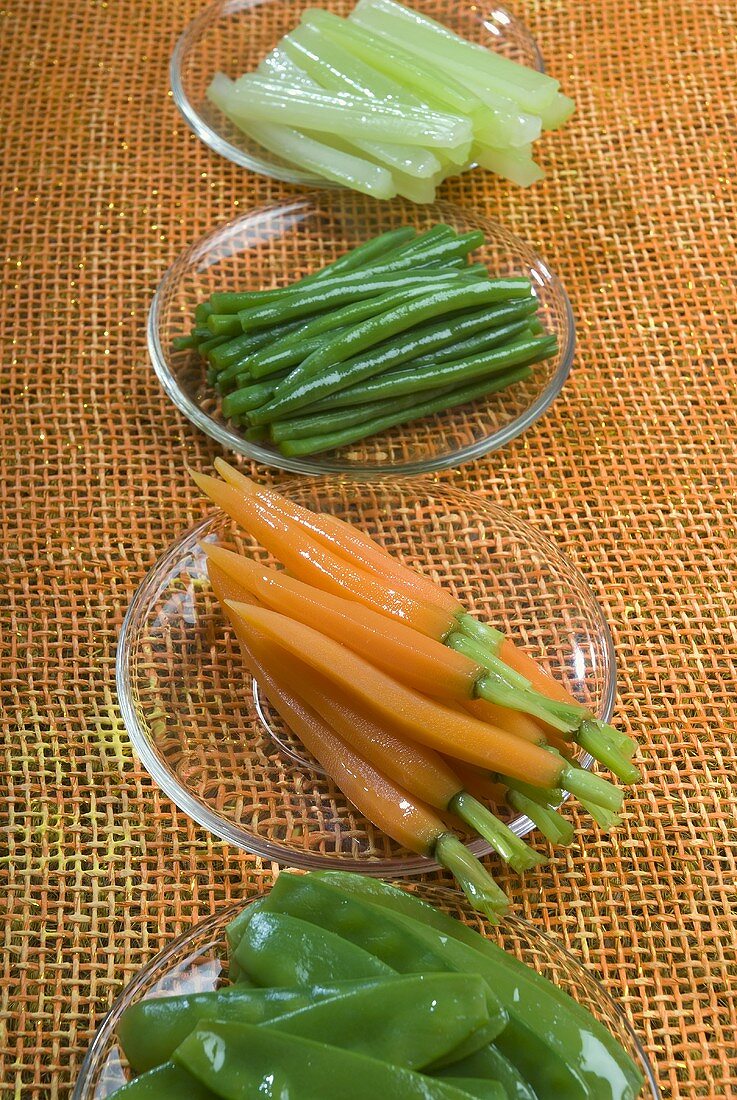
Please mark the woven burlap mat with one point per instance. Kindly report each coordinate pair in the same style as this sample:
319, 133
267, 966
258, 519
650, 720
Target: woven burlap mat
632, 473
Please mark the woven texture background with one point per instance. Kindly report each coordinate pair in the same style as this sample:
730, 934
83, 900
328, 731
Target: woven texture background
632, 473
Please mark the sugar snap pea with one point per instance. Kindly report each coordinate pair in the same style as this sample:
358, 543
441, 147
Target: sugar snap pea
239, 1061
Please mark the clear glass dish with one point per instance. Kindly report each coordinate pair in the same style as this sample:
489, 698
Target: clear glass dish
233, 36
273, 245
192, 964
208, 739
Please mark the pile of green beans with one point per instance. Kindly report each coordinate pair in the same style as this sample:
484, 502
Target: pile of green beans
399, 328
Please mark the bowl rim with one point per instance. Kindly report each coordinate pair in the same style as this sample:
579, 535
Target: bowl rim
317, 465
202, 815
215, 919
218, 144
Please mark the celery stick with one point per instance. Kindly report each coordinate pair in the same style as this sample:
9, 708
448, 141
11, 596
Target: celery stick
412, 161
496, 120
278, 65
393, 60
508, 163
262, 100
415, 189
355, 75
531, 89
557, 113
304, 152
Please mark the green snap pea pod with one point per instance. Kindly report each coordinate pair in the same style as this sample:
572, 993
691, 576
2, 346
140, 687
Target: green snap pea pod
149, 1031
234, 352
550, 1049
490, 1063
364, 255
483, 1088
306, 427
166, 1082
448, 399
239, 1061
318, 299
409, 1020
555, 1043
340, 363
417, 376
296, 346
277, 949
387, 936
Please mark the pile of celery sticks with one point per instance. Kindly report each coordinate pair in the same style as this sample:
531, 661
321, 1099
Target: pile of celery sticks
390, 102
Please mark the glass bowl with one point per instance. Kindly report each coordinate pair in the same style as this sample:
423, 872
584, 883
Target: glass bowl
275, 244
192, 964
233, 36
210, 742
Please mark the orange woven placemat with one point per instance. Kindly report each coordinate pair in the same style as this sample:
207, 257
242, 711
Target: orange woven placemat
632, 473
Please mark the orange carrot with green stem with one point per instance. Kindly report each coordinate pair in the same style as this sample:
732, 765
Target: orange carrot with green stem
386, 804
345, 540
320, 566
422, 719
418, 769
420, 661
359, 548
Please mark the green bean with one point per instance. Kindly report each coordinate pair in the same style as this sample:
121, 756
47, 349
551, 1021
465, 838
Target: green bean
250, 397
318, 299
256, 434
411, 378
526, 349
360, 257
202, 312
295, 347
235, 351
304, 427
181, 343
206, 346
484, 329
317, 379
461, 396
437, 253
224, 324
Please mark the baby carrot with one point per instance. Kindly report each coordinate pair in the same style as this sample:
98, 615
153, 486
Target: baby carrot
391, 808
420, 770
316, 564
421, 662
417, 660
425, 720
347, 541
286, 535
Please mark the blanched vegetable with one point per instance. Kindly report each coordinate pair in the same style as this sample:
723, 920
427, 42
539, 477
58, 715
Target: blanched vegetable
391, 89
